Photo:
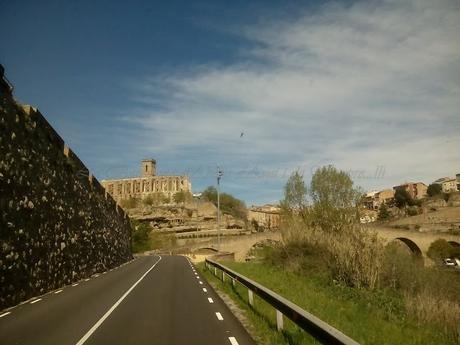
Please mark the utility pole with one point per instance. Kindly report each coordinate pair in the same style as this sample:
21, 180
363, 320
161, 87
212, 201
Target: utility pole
219, 175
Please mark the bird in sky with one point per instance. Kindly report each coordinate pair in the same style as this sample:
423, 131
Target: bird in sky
241, 135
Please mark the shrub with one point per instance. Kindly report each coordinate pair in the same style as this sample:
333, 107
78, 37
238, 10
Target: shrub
335, 200
434, 189
182, 196
356, 257
228, 203
402, 198
429, 308
129, 203
412, 211
331, 226
155, 199
384, 213
148, 200
439, 250
140, 236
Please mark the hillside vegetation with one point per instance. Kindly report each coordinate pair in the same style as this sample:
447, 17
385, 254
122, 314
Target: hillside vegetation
346, 275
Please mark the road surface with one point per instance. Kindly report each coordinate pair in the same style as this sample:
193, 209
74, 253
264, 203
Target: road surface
151, 300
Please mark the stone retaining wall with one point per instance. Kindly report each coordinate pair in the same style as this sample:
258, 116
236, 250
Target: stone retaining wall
57, 224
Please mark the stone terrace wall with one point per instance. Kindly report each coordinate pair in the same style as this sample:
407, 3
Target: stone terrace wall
57, 224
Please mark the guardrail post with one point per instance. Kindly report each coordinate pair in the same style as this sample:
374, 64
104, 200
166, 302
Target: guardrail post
317, 328
279, 320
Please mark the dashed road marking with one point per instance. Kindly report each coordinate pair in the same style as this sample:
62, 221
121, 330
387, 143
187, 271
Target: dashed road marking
210, 300
233, 341
219, 316
5, 314
201, 283
35, 301
58, 291
197, 277
75, 284
87, 279
204, 289
96, 275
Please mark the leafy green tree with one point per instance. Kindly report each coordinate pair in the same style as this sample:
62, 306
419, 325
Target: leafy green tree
434, 189
439, 250
228, 203
384, 213
335, 199
155, 199
295, 193
210, 194
334, 187
129, 203
140, 236
182, 196
402, 198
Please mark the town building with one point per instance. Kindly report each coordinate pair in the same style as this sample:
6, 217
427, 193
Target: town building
147, 184
267, 216
417, 190
448, 184
373, 200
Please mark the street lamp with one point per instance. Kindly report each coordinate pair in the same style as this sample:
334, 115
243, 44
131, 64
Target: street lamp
219, 175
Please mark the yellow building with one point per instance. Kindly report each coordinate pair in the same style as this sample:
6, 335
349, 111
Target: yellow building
267, 216
147, 184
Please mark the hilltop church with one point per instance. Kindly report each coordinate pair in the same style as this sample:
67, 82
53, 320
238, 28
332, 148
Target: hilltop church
148, 183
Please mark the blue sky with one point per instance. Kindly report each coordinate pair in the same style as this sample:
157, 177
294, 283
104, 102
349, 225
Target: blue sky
372, 87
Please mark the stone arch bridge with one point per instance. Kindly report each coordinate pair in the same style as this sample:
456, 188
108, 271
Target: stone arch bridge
417, 242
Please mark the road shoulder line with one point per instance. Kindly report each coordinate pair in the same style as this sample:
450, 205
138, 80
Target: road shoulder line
117, 303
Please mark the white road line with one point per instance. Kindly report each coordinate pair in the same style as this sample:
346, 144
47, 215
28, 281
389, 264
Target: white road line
210, 300
117, 303
219, 317
87, 279
96, 275
35, 301
58, 291
233, 341
5, 314
200, 282
197, 277
75, 284
204, 289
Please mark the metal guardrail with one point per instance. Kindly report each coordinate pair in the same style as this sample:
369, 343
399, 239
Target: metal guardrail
317, 328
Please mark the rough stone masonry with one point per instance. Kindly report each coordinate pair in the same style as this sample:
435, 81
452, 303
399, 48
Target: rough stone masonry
57, 224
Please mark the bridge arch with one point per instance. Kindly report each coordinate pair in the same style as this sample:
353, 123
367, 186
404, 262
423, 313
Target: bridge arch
414, 248
205, 250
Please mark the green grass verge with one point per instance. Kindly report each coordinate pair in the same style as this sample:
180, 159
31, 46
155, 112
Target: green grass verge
367, 317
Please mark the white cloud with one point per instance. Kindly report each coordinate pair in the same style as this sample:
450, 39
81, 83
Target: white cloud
374, 83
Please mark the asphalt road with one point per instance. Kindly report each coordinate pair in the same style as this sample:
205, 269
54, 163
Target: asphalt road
151, 300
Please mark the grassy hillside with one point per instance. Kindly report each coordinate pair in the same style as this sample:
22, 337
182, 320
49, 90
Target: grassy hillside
368, 317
